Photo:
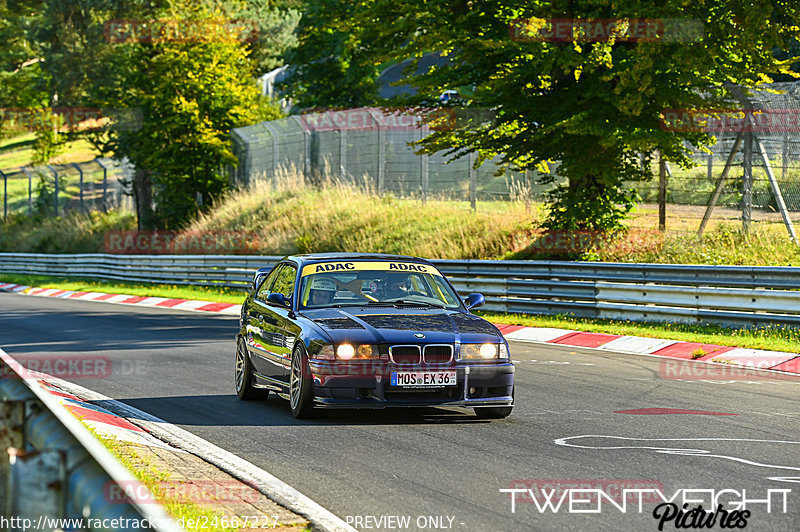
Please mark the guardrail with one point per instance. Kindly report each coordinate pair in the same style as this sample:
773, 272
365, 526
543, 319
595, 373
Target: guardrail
730, 295
55, 470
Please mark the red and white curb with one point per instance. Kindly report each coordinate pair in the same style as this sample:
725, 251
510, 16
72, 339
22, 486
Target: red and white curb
637, 345
102, 421
123, 299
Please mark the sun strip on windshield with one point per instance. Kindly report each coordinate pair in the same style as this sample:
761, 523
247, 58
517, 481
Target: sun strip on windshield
343, 267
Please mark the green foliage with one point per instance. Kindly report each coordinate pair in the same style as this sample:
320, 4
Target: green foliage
275, 32
23, 83
190, 94
72, 233
48, 141
45, 194
591, 106
334, 65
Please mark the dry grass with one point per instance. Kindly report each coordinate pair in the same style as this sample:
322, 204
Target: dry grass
290, 216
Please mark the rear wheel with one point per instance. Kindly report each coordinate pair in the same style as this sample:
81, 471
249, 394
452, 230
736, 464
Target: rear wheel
301, 397
243, 375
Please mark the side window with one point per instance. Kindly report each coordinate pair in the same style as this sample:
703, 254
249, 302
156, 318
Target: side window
264, 289
284, 282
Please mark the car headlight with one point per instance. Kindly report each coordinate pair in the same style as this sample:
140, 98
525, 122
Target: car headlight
479, 351
357, 352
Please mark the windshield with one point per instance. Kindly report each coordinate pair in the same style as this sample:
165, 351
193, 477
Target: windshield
374, 283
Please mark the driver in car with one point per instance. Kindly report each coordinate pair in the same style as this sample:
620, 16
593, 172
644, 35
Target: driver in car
396, 287
321, 292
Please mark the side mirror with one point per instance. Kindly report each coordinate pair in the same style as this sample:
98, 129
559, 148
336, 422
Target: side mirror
474, 300
276, 298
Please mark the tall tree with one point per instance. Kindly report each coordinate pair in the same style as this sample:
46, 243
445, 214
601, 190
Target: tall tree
333, 65
189, 94
592, 104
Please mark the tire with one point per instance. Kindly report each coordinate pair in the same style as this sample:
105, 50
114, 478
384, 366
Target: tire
494, 412
243, 375
301, 399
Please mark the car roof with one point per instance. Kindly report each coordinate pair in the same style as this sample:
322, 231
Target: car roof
311, 258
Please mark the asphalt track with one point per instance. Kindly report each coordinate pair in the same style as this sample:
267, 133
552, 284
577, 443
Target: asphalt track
566, 428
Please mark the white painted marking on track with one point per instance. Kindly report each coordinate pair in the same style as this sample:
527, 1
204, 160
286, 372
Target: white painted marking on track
776, 382
705, 453
554, 362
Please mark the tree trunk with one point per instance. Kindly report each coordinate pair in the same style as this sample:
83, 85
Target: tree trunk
143, 196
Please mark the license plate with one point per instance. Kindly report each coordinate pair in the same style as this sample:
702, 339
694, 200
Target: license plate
423, 379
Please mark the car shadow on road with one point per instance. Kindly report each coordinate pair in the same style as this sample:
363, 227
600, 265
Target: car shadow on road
228, 410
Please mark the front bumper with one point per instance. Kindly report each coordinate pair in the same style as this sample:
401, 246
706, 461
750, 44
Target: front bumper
365, 385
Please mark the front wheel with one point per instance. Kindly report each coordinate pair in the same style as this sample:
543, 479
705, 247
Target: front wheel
493, 412
243, 375
301, 398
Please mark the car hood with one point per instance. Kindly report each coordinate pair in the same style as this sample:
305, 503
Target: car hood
402, 325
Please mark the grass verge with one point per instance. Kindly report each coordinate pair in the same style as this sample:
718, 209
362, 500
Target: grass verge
773, 338
155, 480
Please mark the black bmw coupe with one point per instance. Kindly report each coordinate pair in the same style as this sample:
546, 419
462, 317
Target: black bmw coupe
368, 331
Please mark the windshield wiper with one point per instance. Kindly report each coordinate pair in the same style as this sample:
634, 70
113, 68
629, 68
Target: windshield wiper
410, 303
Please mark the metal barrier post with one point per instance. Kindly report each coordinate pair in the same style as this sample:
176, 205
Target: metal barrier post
381, 157
747, 183
30, 190
776, 191
5, 195
57, 190
36, 485
105, 183
662, 193
342, 152
80, 172
712, 201
424, 170
12, 416
473, 183
527, 191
